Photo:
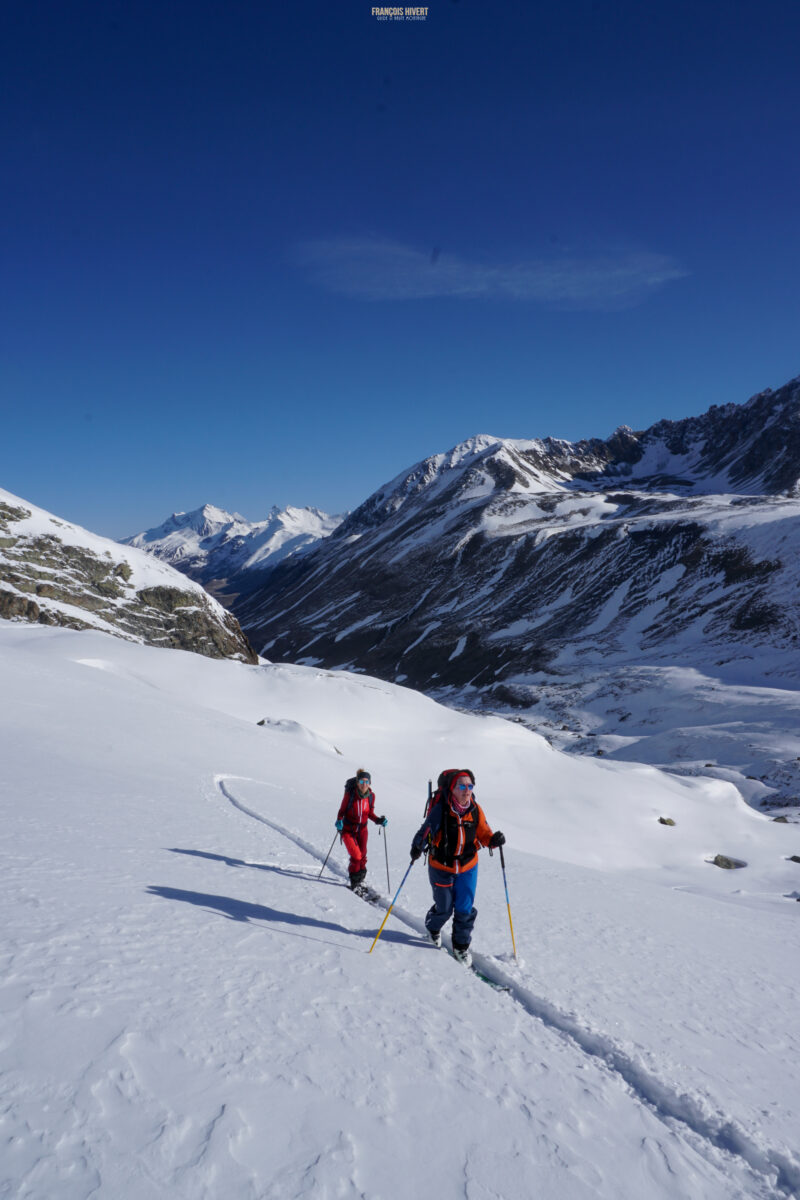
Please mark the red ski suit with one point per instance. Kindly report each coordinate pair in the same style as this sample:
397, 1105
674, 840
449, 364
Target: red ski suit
355, 810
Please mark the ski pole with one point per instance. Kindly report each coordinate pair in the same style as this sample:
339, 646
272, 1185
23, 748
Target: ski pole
386, 850
391, 906
508, 905
327, 856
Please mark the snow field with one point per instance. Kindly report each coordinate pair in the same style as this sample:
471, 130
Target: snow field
188, 1011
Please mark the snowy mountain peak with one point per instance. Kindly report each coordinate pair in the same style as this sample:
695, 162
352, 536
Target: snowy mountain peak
204, 521
471, 448
751, 448
210, 544
307, 519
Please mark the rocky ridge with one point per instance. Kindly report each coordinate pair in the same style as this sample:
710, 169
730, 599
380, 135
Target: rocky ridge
55, 573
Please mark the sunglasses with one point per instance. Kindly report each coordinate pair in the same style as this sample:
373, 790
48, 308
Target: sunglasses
465, 787
365, 779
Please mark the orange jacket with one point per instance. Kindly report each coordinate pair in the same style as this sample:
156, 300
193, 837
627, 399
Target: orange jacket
454, 839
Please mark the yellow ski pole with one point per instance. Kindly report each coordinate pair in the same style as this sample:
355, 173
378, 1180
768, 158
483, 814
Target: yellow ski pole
508, 905
391, 906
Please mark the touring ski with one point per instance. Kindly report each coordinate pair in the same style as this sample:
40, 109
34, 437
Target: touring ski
367, 893
498, 987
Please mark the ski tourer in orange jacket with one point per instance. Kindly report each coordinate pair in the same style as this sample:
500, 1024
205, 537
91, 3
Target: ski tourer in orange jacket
455, 826
453, 830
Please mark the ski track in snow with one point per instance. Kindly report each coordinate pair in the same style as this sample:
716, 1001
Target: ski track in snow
176, 1027
714, 1129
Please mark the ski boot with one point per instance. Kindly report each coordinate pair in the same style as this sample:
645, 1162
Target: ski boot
462, 954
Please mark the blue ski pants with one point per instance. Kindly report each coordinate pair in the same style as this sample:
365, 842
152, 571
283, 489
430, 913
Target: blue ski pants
453, 895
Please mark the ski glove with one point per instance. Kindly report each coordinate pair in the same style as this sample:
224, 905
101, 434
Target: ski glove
382, 820
415, 853
497, 839
340, 825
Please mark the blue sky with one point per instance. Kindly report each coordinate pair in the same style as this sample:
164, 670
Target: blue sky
259, 253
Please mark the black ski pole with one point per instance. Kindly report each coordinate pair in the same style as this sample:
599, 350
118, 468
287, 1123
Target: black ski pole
327, 856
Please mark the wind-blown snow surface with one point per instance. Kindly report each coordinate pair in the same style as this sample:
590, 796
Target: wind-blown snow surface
190, 1012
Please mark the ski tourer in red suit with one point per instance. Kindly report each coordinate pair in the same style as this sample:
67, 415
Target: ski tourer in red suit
357, 807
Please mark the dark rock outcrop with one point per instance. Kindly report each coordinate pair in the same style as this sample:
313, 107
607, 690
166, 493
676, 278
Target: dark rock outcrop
728, 864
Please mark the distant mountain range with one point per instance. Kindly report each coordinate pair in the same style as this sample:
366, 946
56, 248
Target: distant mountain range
484, 572
213, 547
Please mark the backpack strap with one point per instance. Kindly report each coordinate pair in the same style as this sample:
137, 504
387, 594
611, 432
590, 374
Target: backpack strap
448, 823
349, 791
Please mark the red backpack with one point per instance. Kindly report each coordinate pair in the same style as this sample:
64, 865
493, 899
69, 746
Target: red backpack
443, 785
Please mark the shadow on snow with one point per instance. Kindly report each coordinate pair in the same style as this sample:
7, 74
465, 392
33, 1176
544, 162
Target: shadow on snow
292, 873
245, 911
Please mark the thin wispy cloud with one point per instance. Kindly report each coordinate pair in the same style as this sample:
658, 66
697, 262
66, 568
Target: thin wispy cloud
371, 269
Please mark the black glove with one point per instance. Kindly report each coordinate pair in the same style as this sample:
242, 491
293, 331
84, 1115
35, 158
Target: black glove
381, 821
415, 853
497, 839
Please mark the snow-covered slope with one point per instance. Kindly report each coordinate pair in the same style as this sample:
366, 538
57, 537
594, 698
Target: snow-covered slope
190, 1012
212, 546
57, 573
